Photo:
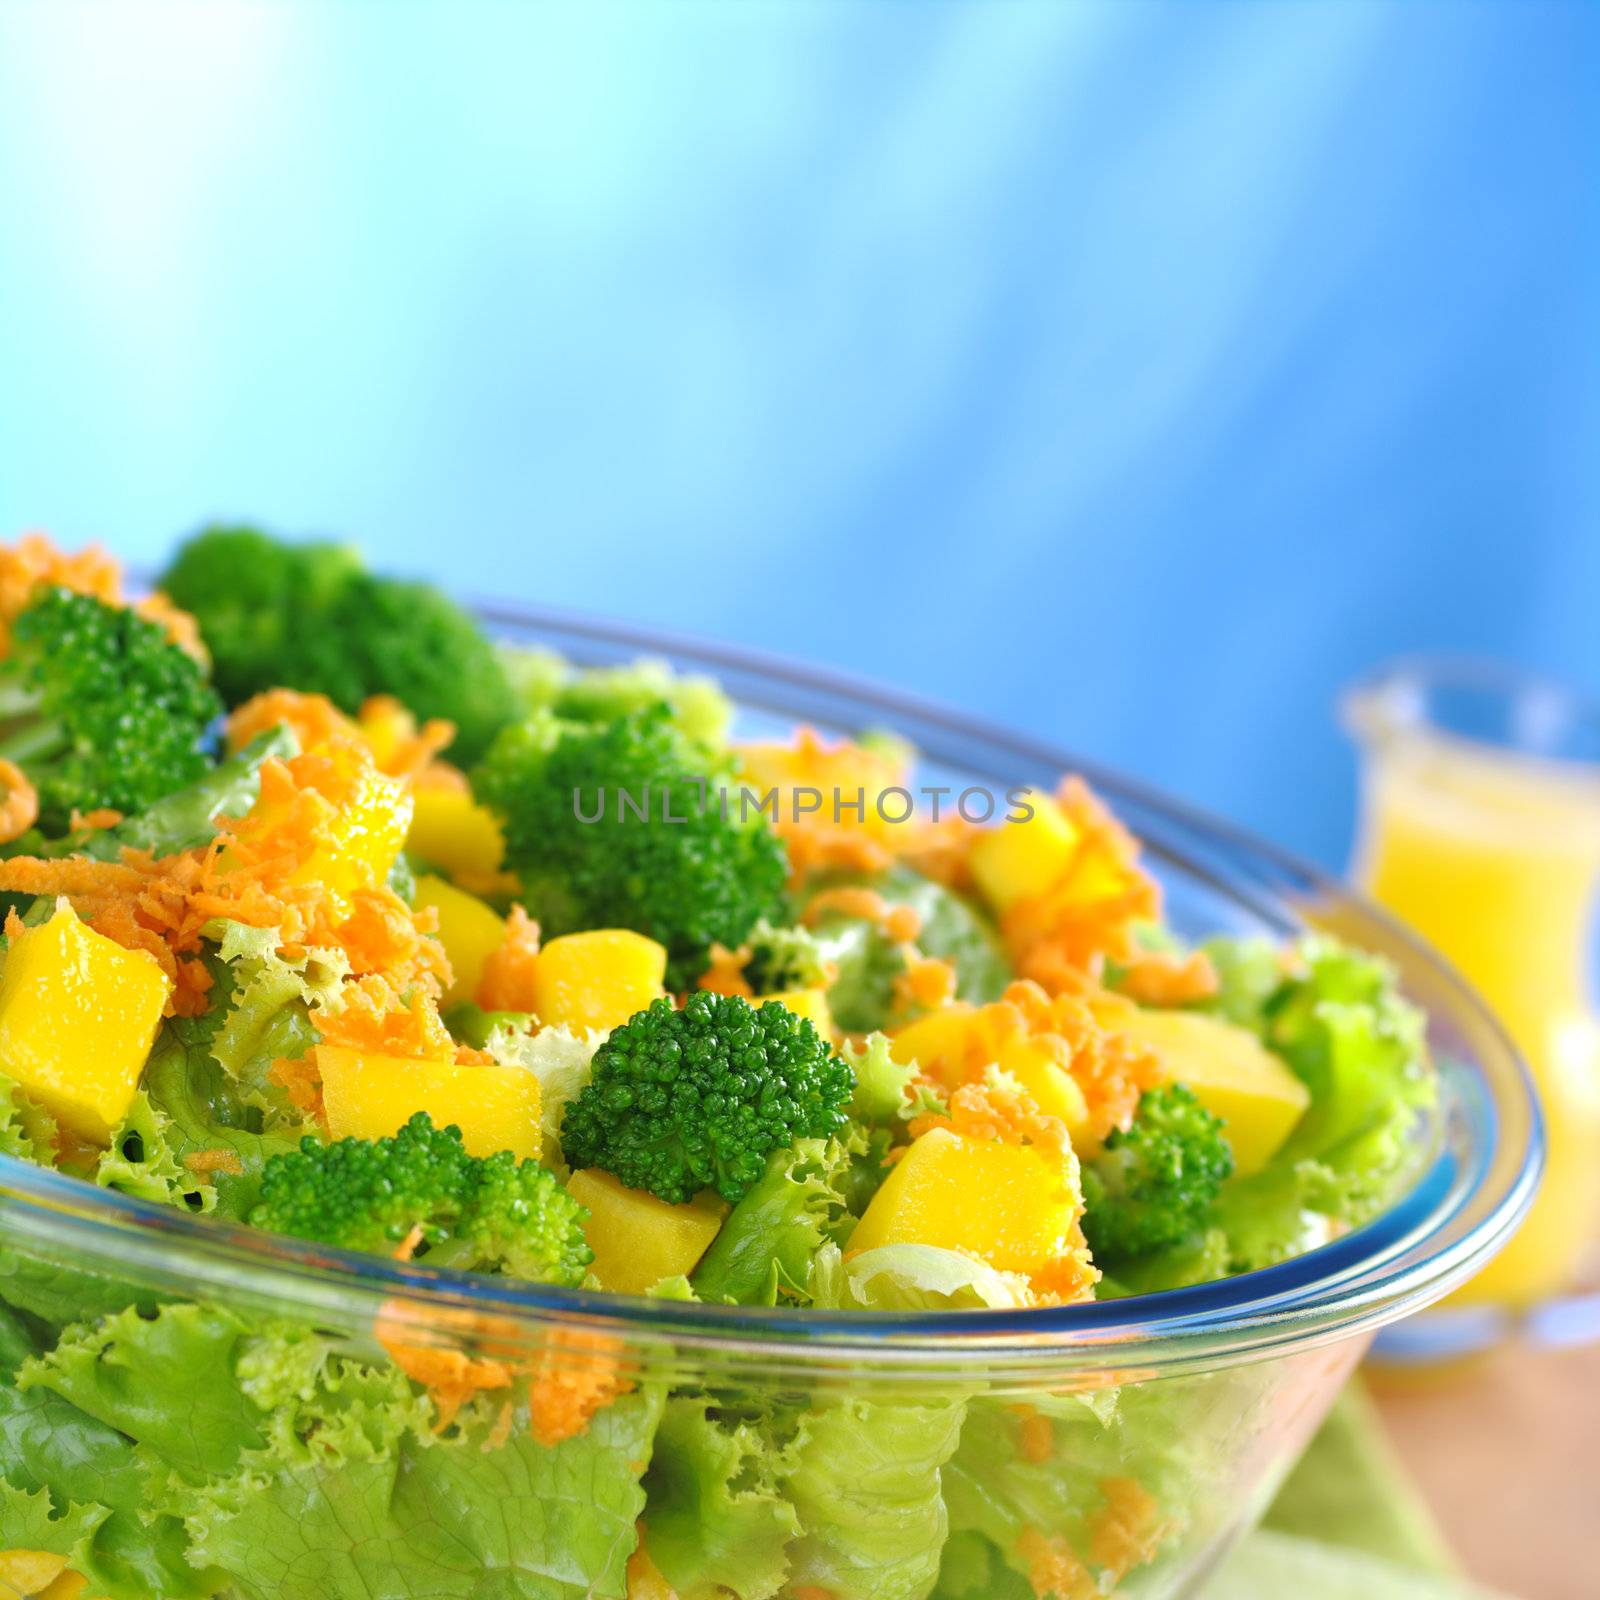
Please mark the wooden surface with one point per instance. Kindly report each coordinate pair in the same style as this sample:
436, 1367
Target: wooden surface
1508, 1453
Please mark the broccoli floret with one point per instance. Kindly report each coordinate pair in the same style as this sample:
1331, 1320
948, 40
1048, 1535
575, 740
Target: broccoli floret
603, 694
308, 616
1153, 1182
257, 599
476, 1214
683, 873
99, 708
680, 1101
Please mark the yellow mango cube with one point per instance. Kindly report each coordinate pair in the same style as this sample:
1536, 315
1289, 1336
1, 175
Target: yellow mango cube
812, 1004
939, 1043
1010, 1205
1018, 860
1039, 1064
1232, 1074
469, 930
449, 829
25, 1572
374, 1096
637, 1238
78, 1014
597, 979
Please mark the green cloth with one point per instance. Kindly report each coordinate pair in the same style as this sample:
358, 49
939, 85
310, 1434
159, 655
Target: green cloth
1348, 1524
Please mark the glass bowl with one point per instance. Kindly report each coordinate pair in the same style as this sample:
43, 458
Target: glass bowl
244, 1394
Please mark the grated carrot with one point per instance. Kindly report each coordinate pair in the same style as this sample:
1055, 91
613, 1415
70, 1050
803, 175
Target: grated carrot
205, 1162
507, 980
19, 808
1128, 1530
1054, 1570
725, 975
1158, 978
1035, 1437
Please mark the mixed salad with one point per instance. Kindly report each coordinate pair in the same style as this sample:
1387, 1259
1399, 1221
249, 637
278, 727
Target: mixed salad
329, 916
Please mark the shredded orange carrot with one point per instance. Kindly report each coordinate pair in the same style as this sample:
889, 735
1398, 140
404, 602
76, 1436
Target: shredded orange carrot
1157, 978
301, 1083
1128, 1530
725, 975
93, 821
264, 871
312, 718
1035, 1437
903, 924
997, 1108
205, 1162
576, 1375
1090, 912
507, 980
926, 982
846, 830
19, 808
1054, 1570
374, 1020
848, 900
35, 560
441, 775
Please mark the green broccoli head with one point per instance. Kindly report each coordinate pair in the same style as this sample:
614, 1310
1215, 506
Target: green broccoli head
1154, 1181
476, 1214
100, 708
680, 1101
257, 600
310, 617
683, 874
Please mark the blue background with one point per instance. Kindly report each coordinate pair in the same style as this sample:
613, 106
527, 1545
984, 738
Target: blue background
1137, 373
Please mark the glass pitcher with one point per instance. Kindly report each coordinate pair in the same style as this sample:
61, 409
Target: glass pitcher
1481, 828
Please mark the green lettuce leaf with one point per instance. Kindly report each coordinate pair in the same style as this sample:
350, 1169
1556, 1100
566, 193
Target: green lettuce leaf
770, 1240
913, 1277
865, 1480
141, 1161
31, 1520
717, 1521
27, 1130
559, 1059
378, 1506
166, 1381
126, 1550
883, 1093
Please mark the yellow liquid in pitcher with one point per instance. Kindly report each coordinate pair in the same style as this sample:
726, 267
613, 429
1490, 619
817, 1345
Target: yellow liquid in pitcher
1494, 859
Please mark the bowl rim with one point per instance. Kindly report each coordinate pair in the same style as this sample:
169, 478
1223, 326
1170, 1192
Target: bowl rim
1347, 1287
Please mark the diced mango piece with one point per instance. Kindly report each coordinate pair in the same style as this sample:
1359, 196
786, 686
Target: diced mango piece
1017, 860
637, 1238
1008, 1204
374, 1096
28, 1571
78, 1014
811, 1004
469, 930
449, 829
938, 1042
1038, 1064
1232, 1074
597, 979
65, 1586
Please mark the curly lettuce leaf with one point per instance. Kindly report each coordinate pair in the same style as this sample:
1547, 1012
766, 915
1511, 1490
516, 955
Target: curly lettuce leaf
717, 1521
972, 1568
166, 1381
771, 1238
865, 1481
32, 1520
560, 1059
883, 1096
27, 1130
205, 1116
141, 1161
58, 1293
268, 1013
379, 1506
914, 1277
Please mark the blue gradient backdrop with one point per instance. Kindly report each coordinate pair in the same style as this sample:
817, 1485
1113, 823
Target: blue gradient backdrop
1133, 372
